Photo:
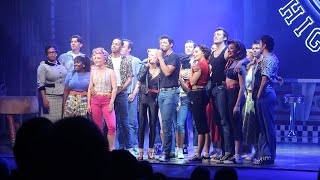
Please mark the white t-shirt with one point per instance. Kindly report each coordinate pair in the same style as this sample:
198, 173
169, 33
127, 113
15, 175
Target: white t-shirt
116, 67
75, 55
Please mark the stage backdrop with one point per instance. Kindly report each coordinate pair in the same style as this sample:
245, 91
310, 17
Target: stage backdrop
26, 26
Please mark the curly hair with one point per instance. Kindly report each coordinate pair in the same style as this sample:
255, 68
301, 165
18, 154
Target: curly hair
85, 61
241, 49
241, 52
206, 51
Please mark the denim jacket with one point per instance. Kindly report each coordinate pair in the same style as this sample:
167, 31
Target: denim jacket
67, 60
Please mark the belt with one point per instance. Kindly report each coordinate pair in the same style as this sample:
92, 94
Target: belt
232, 86
78, 93
103, 93
199, 89
215, 84
168, 89
153, 91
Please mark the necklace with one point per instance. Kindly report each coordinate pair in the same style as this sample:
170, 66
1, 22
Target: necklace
154, 72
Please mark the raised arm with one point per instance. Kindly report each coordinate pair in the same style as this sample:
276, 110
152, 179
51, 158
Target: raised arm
166, 69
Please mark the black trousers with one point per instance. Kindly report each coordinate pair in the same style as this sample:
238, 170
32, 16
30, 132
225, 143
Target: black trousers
148, 102
198, 104
235, 119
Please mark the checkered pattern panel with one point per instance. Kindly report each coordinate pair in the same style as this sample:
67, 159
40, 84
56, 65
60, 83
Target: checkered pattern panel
305, 134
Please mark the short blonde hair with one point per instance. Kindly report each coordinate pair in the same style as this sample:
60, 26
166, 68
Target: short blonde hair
150, 50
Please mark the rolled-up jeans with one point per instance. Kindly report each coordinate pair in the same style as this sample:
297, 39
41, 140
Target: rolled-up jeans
180, 121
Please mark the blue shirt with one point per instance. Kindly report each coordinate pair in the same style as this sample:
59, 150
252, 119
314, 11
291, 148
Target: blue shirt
67, 60
78, 82
136, 64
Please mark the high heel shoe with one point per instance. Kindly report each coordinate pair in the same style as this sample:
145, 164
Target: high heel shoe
140, 157
150, 155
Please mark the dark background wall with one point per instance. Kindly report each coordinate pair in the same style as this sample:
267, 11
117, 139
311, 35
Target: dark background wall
26, 26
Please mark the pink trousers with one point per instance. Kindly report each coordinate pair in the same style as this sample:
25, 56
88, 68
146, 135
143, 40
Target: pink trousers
99, 107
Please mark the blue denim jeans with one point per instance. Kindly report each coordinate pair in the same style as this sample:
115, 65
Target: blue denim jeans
121, 110
158, 138
133, 121
265, 107
219, 98
182, 113
168, 101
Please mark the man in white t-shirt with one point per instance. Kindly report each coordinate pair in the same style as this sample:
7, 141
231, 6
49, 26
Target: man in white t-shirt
123, 69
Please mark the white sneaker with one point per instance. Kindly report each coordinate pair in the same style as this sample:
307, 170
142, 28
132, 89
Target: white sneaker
244, 156
180, 153
176, 152
217, 154
249, 157
236, 159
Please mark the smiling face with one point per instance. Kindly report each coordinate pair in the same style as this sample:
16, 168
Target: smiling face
99, 60
232, 51
78, 66
198, 54
52, 54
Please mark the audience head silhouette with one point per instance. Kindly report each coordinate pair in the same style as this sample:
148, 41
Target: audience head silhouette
78, 151
226, 173
29, 149
200, 172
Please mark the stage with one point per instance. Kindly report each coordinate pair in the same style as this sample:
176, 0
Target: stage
294, 161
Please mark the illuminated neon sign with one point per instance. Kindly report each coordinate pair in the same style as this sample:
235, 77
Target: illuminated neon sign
294, 11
